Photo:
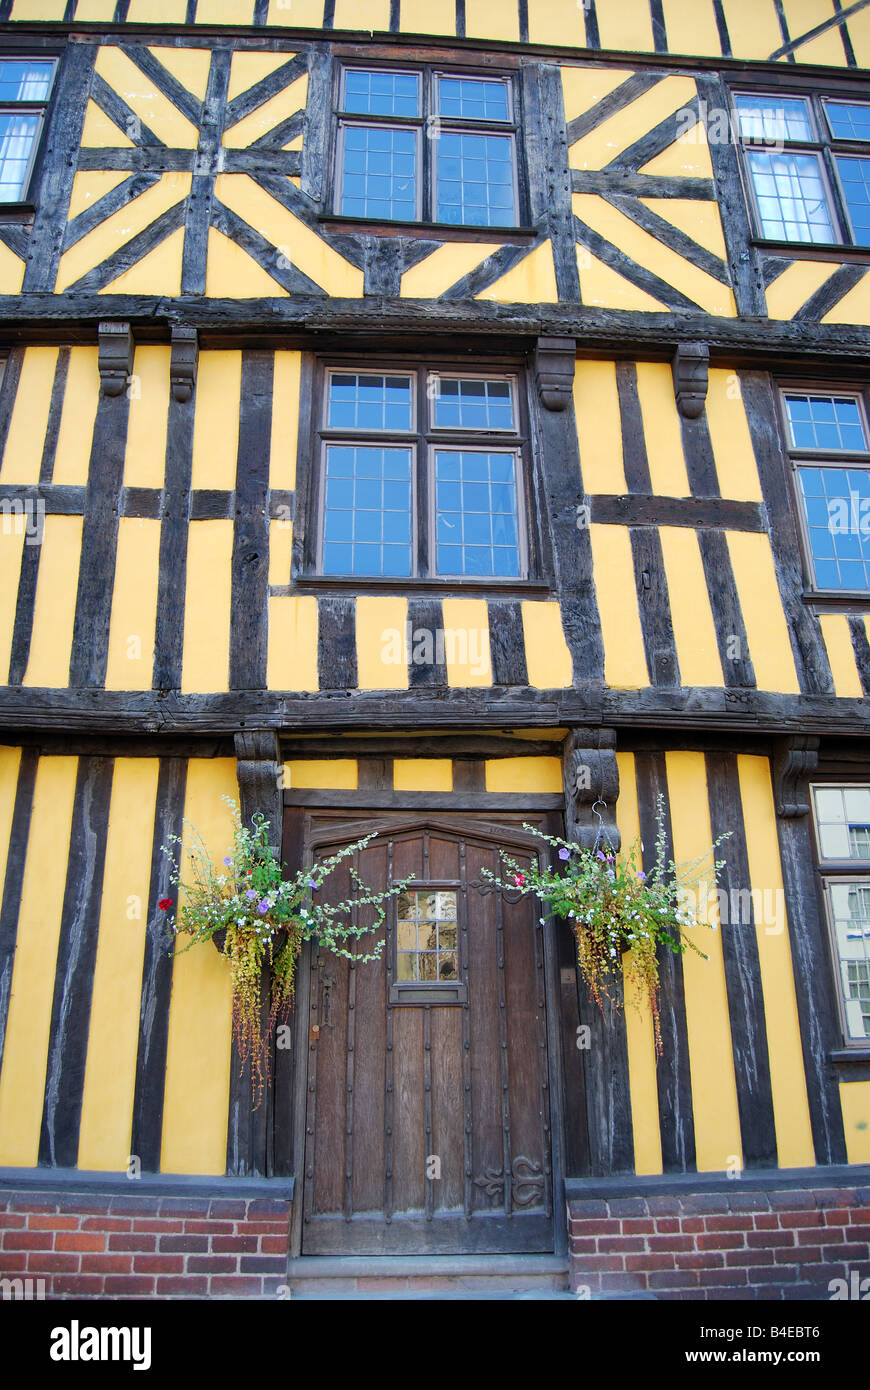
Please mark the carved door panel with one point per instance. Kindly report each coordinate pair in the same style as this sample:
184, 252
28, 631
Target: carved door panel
427, 1104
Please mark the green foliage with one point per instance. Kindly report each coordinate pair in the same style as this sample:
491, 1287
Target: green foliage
266, 918
620, 916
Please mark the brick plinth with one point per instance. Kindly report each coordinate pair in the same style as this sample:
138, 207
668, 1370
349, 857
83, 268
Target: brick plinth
729, 1245
85, 1246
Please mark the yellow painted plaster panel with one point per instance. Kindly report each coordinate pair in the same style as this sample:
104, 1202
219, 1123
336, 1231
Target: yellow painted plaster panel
113, 1028
303, 247
601, 285
13, 531
121, 227
791, 1112
855, 1103
599, 427
145, 100
134, 605
444, 268
616, 591
145, 459
763, 617
82, 395
88, 188
100, 132
841, 654
381, 643
232, 274
26, 439
691, 28
11, 271
583, 87
859, 33
639, 1036
854, 307
804, 15
711, 1057
190, 66
362, 14
38, 9
700, 221
531, 281
285, 103
626, 25
484, 20
324, 774
94, 11
661, 427
753, 29
647, 251
531, 775
428, 17
54, 609
791, 290
158, 272
156, 12
423, 775
216, 423
466, 641
225, 12
25, 1054
206, 662
558, 22
280, 551
299, 14
248, 68
733, 453
285, 420
10, 762
548, 660
196, 1103
687, 157
694, 629
292, 659
612, 136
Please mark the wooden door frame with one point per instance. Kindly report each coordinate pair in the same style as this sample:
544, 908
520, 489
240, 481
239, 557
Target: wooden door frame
357, 823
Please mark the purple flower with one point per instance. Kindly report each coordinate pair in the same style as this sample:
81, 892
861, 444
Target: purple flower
599, 855
642, 877
263, 906
564, 854
251, 894
228, 861
610, 858
312, 883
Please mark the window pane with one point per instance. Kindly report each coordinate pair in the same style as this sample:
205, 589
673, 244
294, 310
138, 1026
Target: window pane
473, 405
849, 120
791, 197
473, 98
855, 178
475, 179
850, 907
838, 526
476, 516
24, 79
367, 513
359, 401
771, 120
379, 173
825, 422
432, 955
843, 819
382, 93
17, 136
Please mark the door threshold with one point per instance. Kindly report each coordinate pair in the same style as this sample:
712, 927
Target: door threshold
406, 1266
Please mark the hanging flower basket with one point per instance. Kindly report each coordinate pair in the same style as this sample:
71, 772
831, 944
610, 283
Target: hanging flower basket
259, 920
621, 917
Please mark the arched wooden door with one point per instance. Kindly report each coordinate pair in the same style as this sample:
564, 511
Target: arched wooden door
427, 1114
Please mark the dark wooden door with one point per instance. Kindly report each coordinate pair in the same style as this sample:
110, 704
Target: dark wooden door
427, 1104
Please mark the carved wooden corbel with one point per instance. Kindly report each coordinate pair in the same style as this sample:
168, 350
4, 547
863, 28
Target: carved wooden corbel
115, 357
554, 371
183, 362
794, 760
691, 366
258, 755
591, 776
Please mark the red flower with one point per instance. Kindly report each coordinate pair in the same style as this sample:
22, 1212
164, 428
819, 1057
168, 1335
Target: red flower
519, 880
164, 904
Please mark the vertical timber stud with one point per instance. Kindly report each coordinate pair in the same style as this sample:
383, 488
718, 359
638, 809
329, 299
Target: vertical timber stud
591, 774
258, 758
795, 759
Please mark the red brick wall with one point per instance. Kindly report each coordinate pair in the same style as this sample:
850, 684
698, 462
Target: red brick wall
144, 1246
741, 1244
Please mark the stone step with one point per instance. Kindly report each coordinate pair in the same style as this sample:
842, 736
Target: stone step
430, 1277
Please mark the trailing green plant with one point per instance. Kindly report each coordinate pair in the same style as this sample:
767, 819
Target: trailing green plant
620, 915
265, 918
